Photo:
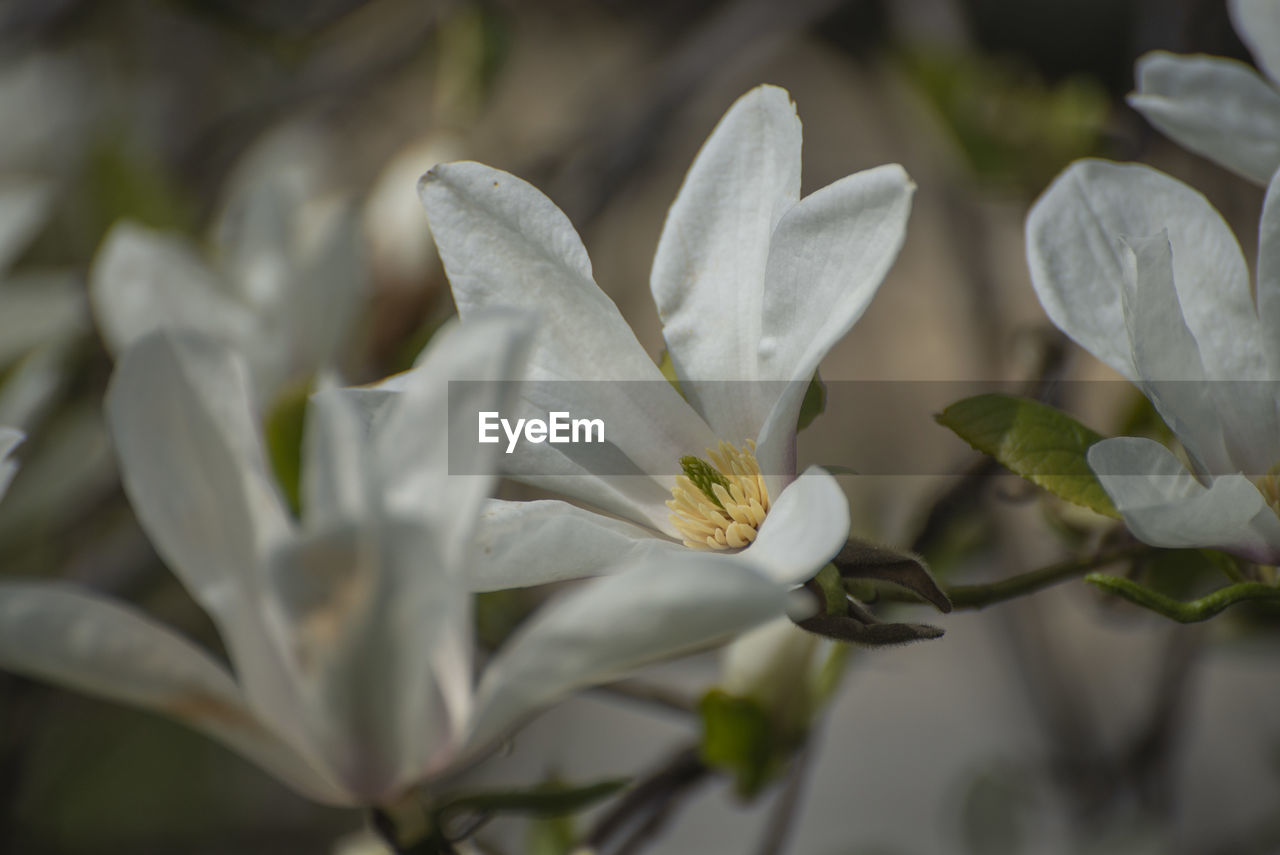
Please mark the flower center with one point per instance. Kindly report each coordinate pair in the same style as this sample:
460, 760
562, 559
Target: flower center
721, 504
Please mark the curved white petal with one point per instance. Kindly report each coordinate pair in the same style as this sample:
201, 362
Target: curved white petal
1216, 107
806, 526
1163, 505
430, 462
329, 284
709, 273
1077, 264
143, 280
616, 624
339, 481
380, 635
504, 244
1258, 23
1165, 353
192, 463
91, 644
827, 259
1269, 273
532, 543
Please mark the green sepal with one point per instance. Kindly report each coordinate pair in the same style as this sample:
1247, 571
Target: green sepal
1042, 444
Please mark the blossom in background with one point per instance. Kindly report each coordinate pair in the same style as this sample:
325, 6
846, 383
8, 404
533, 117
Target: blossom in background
1219, 107
283, 287
1143, 273
753, 284
349, 632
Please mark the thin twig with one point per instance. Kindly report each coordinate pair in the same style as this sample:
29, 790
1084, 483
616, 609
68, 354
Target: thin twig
786, 808
650, 801
980, 596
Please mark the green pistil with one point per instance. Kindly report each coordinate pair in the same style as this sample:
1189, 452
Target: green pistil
703, 474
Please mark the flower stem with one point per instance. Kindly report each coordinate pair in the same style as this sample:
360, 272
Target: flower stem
980, 596
1185, 611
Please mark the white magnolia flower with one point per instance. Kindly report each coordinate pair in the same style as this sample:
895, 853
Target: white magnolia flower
754, 286
1142, 272
349, 633
1219, 107
283, 287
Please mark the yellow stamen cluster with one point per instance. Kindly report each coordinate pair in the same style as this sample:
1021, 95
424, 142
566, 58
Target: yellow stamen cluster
726, 510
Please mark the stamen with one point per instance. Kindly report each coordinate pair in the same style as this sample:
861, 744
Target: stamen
721, 504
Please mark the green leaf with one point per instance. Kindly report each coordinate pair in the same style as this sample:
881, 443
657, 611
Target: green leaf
1040, 443
815, 401
737, 738
284, 426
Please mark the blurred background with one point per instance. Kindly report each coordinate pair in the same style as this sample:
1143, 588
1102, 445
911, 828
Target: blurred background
1058, 723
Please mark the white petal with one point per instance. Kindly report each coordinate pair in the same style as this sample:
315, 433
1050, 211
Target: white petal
1077, 264
532, 543
709, 272
806, 526
1163, 505
614, 625
24, 206
504, 244
1269, 273
430, 462
1165, 353
329, 286
381, 644
828, 257
1258, 23
89, 643
192, 464
1216, 107
143, 280
339, 482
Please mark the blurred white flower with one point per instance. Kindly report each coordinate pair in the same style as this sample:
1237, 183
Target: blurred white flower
783, 669
1143, 273
754, 286
349, 633
283, 288
1218, 107
400, 246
